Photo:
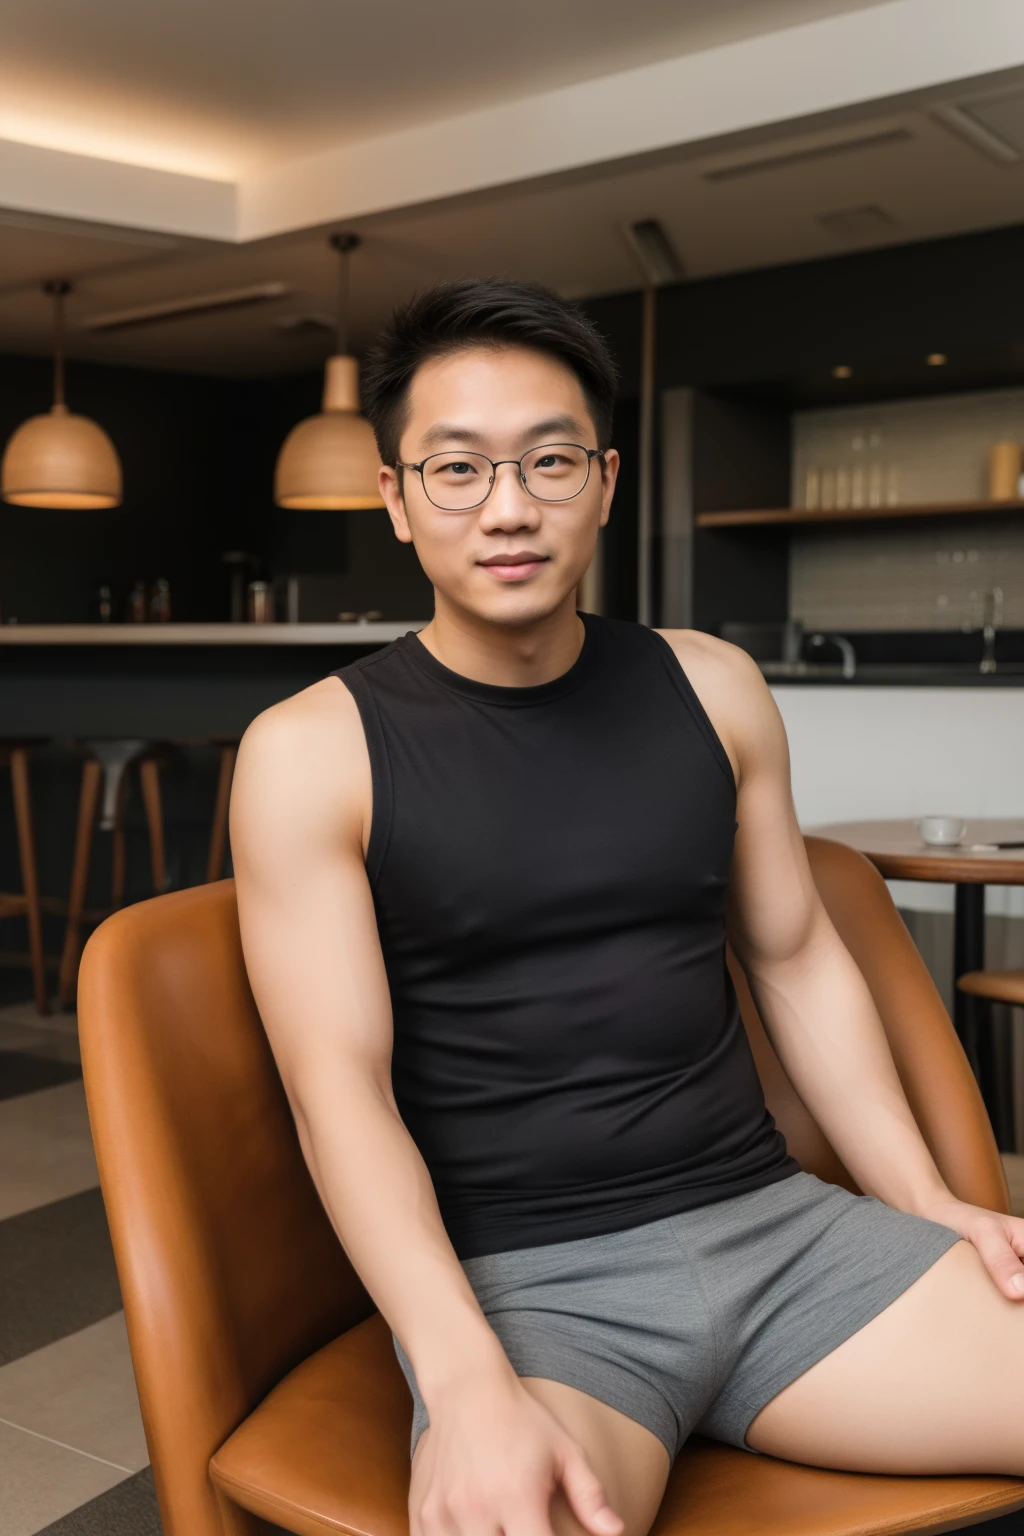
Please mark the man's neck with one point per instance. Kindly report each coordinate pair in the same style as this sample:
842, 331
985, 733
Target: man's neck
504, 655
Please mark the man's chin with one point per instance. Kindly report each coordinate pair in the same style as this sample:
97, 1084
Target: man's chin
516, 605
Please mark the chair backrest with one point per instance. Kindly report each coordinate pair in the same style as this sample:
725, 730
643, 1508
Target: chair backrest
229, 1269
933, 1068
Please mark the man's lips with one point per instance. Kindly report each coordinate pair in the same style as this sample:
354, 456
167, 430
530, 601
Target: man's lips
514, 565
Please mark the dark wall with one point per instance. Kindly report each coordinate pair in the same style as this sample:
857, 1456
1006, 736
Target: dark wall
960, 296
198, 457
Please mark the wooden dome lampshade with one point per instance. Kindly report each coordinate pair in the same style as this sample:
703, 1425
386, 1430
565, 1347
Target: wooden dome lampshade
330, 462
60, 460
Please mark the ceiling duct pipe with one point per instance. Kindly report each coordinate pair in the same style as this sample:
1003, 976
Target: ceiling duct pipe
659, 264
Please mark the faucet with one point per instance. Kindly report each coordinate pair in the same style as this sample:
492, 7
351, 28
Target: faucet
991, 618
845, 649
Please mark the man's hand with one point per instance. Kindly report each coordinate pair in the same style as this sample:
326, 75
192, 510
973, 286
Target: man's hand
491, 1462
999, 1240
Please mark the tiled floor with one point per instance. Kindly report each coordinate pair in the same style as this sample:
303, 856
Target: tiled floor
73, 1459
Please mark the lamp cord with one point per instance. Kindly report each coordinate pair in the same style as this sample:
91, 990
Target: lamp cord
56, 291
344, 245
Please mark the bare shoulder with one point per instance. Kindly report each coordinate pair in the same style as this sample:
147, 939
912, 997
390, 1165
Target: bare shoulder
732, 689
303, 764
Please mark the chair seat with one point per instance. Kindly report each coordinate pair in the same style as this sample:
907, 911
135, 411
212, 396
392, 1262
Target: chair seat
328, 1450
998, 986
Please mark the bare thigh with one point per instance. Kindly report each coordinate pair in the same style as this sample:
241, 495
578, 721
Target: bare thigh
630, 1461
933, 1384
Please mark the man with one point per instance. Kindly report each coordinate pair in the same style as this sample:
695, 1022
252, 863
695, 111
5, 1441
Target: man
485, 878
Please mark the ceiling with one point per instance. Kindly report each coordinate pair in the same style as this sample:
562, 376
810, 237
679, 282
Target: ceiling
725, 211
221, 88
222, 78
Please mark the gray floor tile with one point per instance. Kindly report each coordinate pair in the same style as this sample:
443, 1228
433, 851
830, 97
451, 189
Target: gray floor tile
22, 1072
42, 1481
56, 1272
45, 1148
130, 1509
80, 1391
55, 1037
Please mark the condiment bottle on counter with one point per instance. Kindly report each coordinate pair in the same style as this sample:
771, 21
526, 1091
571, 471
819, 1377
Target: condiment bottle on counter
104, 604
160, 601
137, 603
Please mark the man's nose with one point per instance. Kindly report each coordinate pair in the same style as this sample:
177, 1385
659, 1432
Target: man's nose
509, 506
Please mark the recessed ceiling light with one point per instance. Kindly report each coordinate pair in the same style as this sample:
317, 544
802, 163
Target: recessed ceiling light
936, 359
841, 371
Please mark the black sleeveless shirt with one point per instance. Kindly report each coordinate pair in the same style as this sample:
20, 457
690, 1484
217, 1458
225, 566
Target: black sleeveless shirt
549, 868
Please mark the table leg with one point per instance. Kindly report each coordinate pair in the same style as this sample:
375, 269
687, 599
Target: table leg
968, 955
979, 1043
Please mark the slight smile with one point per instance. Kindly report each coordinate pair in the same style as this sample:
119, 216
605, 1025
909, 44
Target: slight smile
513, 566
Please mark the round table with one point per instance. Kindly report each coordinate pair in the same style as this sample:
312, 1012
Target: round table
898, 852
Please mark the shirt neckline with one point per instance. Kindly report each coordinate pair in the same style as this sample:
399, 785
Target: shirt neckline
497, 693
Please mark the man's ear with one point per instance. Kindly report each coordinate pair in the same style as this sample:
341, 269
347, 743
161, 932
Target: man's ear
389, 484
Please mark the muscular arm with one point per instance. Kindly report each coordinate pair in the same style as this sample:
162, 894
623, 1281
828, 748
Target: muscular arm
299, 811
300, 814
813, 1001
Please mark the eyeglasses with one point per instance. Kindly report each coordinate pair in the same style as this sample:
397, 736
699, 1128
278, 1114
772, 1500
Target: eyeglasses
458, 482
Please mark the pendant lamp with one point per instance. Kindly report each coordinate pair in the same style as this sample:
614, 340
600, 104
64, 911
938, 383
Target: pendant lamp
60, 460
330, 461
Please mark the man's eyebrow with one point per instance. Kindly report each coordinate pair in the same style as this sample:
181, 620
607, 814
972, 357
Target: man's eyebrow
445, 432
549, 430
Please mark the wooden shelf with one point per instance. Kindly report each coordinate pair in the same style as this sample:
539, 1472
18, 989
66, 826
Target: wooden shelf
805, 516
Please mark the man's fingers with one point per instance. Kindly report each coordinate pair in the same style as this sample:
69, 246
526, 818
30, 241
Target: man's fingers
586, 1497
1002, 1263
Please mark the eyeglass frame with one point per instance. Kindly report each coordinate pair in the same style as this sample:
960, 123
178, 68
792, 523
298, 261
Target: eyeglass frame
591, 453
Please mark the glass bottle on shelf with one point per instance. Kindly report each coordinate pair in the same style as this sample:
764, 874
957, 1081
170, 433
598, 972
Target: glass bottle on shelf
104, 604
136, 605
858, 471
812, 488
160, 601
842, 486
875, 469
892, 486
828, 489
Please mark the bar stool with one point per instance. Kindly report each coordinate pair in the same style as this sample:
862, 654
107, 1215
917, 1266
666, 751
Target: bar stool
14, 755
998, 987
107, 763
227, 747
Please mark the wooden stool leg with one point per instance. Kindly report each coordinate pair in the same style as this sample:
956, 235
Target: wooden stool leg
149, 772
219, 828
117, 857
92, 774
29, 875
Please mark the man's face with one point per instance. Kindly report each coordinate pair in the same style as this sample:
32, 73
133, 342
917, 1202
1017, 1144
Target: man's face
513, 559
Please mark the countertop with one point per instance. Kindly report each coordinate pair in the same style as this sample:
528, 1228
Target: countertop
896, 674
206, 634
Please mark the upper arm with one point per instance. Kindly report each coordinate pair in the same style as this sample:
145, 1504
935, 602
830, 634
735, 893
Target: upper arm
774, 907
300, 807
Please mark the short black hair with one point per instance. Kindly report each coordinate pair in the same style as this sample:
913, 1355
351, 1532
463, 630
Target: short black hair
491, 311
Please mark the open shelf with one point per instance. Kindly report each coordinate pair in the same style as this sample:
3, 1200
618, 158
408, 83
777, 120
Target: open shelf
805, 515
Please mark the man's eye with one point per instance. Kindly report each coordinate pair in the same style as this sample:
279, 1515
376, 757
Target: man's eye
458, 467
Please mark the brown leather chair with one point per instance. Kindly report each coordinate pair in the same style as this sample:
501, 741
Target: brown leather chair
268, 1384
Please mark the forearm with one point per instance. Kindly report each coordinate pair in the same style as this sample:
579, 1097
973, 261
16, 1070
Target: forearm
376, 1189
822, 1021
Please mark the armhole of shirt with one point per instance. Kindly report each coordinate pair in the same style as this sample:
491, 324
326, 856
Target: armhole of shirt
688, 693
381, 783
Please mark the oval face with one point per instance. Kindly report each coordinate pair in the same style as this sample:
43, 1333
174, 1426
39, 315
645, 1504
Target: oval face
508, 544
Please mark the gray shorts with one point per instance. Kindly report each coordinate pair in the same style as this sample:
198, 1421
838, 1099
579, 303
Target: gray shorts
696, 1321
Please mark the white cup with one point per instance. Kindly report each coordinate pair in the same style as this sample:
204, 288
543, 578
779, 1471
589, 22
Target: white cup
941, 831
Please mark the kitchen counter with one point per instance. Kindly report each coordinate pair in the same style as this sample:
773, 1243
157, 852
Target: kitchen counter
166, 681
206, 634
897, 674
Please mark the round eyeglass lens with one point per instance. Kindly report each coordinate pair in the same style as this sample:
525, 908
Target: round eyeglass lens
556, 472
457, 481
